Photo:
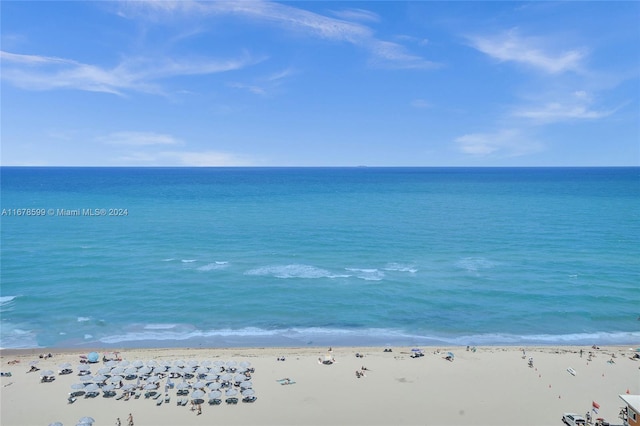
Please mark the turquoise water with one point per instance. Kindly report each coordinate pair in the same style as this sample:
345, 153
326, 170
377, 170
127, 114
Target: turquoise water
319, 256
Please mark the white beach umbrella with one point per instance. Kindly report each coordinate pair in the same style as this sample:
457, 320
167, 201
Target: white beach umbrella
128, 387
86, 419
116, 379
152, 363
202, 370
232, 364
83, 367
179, 363
99, 378
246, 385
245, 364
64, 365
206, 363
248, 392
199, 385
105, 371
197, 394
124, 364
219, 363
55, 424
32, 363
131, 371
231, 392
116, 371
183, 385
193, 363
78, 386
108, 388
92, 387
215, 394
144, 370
226, 377
137, 363
239, 378
153, 379
111, 363
211, 377
214, 386
46, 373
87, 378
150, 386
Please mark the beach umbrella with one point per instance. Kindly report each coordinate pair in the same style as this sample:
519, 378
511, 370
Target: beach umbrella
145, 370
202, 370
158, 369
215, 394
124, 363
239, 378
232, 364
115, 379
64, 365
179, 363
105, 371
32, 363
108, 388
116, 371
193, 363
99, 378
248, 392
46, 373
87, 419
137, 363
183, 385
214, 386
84, 367
226, 377
128, 387
131, 371
245, 364
241, 370
55, 424
199, 385
110, 364
92, 387
231, 392
77, 386
153, 379
150, 386
197, 394
450, 354
216, 369
246, 385
87, 378
218, 363
93, 356
206, 363
152, 363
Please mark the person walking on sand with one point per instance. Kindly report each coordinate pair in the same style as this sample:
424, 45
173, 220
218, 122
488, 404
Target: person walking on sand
130, 420
118, 423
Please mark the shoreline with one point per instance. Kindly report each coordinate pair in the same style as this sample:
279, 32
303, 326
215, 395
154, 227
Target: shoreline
492, 385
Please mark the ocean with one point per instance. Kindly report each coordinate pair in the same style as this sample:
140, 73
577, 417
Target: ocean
218, 257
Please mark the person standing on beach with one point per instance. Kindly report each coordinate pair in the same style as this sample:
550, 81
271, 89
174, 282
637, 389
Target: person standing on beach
118, 423
130, 420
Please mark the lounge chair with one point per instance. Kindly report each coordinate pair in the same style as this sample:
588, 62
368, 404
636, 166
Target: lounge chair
71, 400
157, 395
251, 398
286, 382
137, 395
119, 397
215, 401
159, 403
167, 398
231, 400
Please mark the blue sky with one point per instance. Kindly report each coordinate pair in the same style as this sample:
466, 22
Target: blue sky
320, 83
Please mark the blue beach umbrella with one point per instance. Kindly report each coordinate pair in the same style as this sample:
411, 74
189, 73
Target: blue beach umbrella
93, 357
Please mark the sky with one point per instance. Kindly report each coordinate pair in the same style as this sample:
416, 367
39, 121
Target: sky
324, 83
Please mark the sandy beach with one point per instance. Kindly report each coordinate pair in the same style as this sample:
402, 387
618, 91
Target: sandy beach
485, 386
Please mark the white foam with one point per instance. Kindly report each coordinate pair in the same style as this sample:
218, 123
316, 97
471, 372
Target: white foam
88, 336
160, 326
475, 264
399, 267
213, 266
293, 271
367, 274
168, 259
83, 319
5, 300
188, 260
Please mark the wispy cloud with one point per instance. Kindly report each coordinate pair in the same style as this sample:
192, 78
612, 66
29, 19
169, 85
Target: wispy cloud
531, 51
139, 139
185, 158
503, 143
139, 74
356, 15
384, 53
575, 106
420, 103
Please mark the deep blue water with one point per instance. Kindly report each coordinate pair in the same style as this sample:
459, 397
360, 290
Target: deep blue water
319, 256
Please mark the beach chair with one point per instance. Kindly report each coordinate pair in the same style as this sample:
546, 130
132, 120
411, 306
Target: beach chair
159, 403
167, 398
286, 382
137, 395
231, 401
119, 397
249, 399
71, 400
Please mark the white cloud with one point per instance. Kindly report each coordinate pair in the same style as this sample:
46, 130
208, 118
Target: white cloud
132, 74
531, 51
338, 30
357, 15
504, 143
139, 139
575, 106
185, 158
420, 103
